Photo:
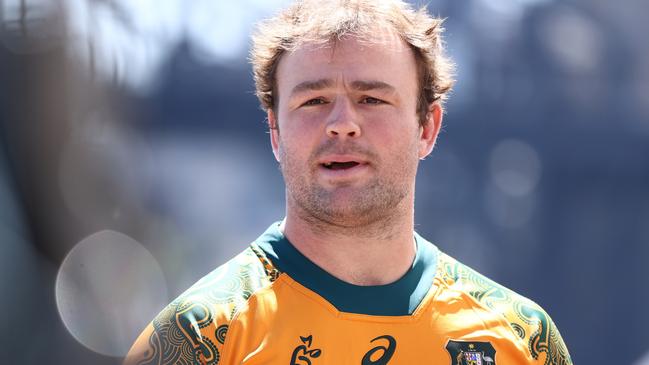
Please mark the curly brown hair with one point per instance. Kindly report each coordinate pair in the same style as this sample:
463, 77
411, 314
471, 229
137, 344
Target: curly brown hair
313, 21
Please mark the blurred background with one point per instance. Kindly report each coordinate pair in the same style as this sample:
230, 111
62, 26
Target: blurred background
134, 159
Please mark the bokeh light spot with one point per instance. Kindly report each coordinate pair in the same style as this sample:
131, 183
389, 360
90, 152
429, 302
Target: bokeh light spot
515, 167
107, 288
508, 211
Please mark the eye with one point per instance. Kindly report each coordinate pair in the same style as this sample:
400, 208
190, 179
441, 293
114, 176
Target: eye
316, 101
371, 100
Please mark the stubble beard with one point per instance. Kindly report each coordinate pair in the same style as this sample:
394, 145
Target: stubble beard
370, 207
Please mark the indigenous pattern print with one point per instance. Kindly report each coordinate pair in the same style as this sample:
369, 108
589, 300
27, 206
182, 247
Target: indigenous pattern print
176, 337
527, 319
270, 270
250, 311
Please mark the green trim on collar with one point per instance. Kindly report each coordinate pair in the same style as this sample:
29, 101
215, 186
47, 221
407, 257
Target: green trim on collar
399, 298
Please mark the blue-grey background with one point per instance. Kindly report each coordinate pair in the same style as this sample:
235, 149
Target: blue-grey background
140, 117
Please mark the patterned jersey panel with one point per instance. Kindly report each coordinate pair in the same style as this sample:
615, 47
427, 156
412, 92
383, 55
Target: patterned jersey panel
193, 328
527, 319
246, 312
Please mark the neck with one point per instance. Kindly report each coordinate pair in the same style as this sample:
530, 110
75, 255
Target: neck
375, 253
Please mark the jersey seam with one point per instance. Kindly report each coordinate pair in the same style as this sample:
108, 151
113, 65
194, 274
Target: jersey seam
234, 323
501, 316
503, 319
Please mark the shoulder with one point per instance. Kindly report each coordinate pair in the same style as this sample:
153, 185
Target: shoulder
526, 318
193, 328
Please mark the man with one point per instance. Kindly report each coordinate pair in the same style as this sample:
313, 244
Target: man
353, 92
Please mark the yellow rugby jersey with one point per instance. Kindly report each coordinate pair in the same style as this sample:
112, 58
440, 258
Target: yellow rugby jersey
271, 305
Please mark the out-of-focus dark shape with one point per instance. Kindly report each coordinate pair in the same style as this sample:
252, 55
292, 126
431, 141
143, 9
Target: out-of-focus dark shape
47, 98
30, 27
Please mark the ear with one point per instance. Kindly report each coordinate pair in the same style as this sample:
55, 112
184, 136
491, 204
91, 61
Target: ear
273, 129
429, 132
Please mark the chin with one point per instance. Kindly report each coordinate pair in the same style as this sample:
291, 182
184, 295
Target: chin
350, 213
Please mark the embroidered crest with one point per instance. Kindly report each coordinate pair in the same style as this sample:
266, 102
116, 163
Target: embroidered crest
471, 353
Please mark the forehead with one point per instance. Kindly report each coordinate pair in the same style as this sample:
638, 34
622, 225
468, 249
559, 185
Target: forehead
383, 56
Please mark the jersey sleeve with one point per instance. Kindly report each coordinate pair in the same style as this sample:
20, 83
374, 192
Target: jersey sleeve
175, 337
193, 328
527, 319
537, 330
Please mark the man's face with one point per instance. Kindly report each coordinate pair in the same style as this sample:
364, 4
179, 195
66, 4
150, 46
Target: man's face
348, 138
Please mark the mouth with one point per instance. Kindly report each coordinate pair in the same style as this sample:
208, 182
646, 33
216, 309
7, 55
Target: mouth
340, 165
341, 168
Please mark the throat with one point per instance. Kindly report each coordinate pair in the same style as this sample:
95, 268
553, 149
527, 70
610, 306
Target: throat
357, 260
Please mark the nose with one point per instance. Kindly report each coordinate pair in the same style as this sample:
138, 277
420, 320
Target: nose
343, 121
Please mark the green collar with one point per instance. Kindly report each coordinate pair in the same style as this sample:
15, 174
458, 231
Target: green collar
399, 298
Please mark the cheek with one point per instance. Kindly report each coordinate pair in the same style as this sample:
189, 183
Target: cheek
305, 122
394, 132
403, 148
293, 146
300, 132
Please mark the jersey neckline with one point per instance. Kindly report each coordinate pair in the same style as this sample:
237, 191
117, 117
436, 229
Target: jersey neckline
399, 298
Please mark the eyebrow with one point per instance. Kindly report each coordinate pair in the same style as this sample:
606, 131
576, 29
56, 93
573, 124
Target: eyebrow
359, 85
312, 85
372, 85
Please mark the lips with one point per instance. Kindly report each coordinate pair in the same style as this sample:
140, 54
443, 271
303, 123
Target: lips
341, 161
343, 165
342, 168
